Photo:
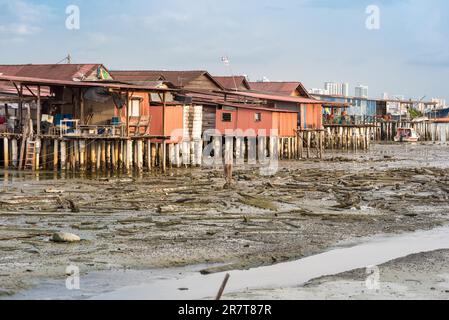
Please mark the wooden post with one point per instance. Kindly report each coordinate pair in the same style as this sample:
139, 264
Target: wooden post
164, 156
139, 155
98, 159
322, 137
113, 155
217, 151
199, 152
77, 153
186, 153
229, 147
309, 141
6, 152
129, 154
121, 154
238, 151
178, 161
103, 154
148, 154
82, 146
81, 99
108, 155
252, 150
63, 155
273, 148
127, 116
14, 152
71, 155
44, 154
171, 154
38, 114
55, 154
153, 154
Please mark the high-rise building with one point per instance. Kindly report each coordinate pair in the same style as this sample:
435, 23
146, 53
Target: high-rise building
361, 91
336, 89
345, 89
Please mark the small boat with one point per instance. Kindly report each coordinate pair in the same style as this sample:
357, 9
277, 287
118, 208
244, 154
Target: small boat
406, 135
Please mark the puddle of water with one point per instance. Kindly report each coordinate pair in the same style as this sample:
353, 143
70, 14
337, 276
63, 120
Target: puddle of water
377, 251
165, 284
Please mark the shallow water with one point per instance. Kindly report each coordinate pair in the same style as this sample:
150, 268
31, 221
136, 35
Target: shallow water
167, 283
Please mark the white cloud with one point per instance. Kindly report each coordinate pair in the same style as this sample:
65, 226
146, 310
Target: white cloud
21, 18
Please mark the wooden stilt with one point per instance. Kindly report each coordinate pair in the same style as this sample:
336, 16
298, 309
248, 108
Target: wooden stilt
44, 154
178, 161
14, 152
217, 141
153, 154
6, 152
164, 156
55, 154
139, 155
171, 154
63, 155
148, 154
98, 159
82, 146
103, 155
129, 154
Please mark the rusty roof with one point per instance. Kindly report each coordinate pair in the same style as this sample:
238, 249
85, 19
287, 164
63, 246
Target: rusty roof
219, 100
66, 72
272, 97
284, 88
31, 81
177, 78
230, 82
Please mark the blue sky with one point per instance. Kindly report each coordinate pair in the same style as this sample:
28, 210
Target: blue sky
308, 40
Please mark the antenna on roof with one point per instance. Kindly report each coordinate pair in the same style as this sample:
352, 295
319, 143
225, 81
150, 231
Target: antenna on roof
227, 63
67, 59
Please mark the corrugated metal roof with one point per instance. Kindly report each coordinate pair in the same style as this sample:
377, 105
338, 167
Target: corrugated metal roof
89, 84
284, 88
66, 72
219, 100
271, 97
230, 83
178, 78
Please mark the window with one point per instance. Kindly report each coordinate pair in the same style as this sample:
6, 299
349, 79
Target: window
258, 117
134, 108
226, 117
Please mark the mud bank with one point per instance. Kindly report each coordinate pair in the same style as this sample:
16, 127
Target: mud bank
188, 218
423, 276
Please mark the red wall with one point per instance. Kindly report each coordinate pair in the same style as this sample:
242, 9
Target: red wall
244, 119
312, 116
286, 123
173, 116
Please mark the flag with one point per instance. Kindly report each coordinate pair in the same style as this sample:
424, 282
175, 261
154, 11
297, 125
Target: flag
225, 60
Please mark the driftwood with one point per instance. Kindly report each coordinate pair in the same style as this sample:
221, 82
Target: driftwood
223, 286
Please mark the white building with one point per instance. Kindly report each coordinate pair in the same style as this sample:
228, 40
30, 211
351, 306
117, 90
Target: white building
361, 91
345, 89
317, 91
440, 103
336, 89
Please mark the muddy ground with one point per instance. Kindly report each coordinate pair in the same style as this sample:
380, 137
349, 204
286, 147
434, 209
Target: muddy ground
186, 217
423, 276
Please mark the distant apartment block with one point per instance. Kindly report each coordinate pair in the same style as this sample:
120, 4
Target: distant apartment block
440, 103
333, 89
361, 91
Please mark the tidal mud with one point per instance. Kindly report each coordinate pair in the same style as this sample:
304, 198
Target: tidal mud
187, 217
